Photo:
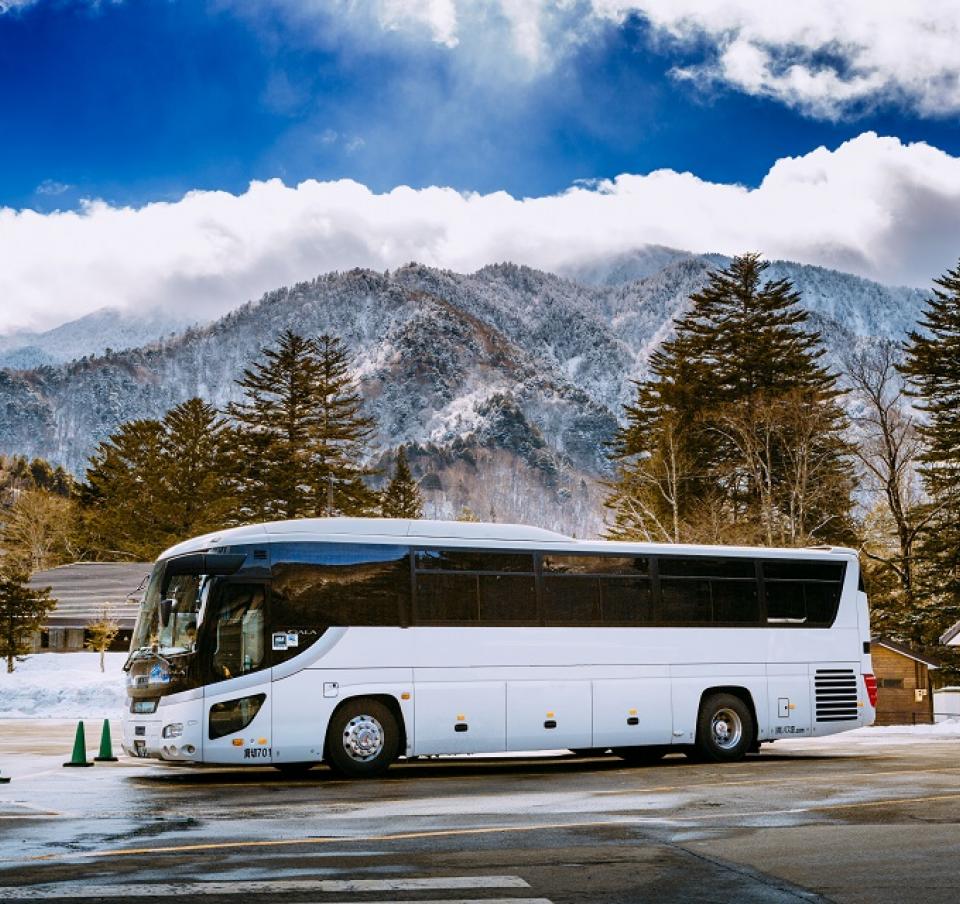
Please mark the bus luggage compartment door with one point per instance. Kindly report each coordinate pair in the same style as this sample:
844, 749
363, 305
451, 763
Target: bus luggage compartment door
459, 716
549, 715
632, 712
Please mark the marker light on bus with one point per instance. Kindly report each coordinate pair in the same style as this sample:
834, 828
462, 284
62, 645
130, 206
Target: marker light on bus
871, 682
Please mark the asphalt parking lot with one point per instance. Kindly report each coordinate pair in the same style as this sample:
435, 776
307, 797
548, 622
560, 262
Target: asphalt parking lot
856, 818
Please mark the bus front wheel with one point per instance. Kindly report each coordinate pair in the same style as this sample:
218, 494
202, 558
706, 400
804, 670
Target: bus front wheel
363, 739
725, 729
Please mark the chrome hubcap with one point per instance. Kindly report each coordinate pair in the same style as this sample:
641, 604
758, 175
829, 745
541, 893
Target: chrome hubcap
363, 738
727, 729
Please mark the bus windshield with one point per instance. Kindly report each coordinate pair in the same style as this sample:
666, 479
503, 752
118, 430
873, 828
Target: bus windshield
179, 635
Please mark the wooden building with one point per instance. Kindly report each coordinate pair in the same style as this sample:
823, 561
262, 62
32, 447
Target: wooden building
904, 692
82, 591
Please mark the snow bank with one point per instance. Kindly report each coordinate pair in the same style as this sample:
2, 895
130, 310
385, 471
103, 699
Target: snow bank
63, 685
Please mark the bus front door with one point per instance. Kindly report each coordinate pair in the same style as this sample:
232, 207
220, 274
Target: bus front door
237, 700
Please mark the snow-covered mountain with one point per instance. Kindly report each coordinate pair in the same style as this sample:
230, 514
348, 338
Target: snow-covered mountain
508, 382
93, 334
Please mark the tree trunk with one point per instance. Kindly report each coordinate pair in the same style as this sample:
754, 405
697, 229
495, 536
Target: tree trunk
102, 651
9, 664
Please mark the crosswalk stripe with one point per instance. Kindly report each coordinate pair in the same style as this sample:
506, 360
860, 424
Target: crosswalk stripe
327, 886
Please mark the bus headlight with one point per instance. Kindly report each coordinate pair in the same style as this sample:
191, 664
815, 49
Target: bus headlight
173, 730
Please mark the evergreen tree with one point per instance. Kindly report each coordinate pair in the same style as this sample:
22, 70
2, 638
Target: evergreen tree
932, 367
401, 498
278, 424
301, 435
718, 426
23, 611
198, 453
343, 432
154, 483
124, 491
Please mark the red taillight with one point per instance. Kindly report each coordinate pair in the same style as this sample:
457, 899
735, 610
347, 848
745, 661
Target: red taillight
871, 682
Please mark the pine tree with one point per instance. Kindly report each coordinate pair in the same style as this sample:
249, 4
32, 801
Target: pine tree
198, 453
741, 370
123, 492
343, 433
23, 611
401, 498
278, 423
932, 367
154, 483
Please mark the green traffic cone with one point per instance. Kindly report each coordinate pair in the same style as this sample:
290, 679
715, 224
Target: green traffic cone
106, 745
79, 757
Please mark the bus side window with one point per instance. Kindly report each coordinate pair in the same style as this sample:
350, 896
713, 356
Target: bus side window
804, 593
316, 586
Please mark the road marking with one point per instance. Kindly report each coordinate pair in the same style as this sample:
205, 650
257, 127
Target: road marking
482, 830
325, 839
324, 886
839, 779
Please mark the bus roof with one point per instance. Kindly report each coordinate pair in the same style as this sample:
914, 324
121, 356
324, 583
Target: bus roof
392, 530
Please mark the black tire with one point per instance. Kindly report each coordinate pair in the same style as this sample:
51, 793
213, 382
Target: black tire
293, 770
640, 756
725, 729
363, 739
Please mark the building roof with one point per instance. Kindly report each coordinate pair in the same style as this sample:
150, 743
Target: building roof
83, 589
951, 637
929, 661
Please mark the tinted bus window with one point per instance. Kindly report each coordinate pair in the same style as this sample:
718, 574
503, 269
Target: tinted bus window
571, 600
507, 599
626, 601
686, 601
444, 597
595, 564
707, 567
474, 587
472, 560
319, 585
806, 594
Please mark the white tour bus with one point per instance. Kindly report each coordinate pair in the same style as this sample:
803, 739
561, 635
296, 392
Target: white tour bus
355, 641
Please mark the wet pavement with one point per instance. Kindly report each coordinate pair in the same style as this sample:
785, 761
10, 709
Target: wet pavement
855, 818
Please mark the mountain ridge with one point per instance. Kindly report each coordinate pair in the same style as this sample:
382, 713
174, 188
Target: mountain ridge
507, 383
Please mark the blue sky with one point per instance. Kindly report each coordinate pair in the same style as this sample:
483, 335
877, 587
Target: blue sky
147, 99
196, 153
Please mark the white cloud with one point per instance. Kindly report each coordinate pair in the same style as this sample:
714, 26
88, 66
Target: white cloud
873, 206
824, 57
51, 187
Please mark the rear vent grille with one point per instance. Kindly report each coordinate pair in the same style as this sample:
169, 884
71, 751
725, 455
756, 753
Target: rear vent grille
837, 695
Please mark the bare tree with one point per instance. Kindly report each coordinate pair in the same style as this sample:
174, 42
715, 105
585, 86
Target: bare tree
888, 444
102, 632
37, 529
784, 464
648, 497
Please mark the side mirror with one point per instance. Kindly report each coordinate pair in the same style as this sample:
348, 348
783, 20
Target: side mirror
166, 607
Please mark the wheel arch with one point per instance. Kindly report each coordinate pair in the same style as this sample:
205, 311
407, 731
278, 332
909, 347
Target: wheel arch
388, 700
735, 690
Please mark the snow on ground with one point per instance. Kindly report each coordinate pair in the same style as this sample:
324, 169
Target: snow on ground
63, 686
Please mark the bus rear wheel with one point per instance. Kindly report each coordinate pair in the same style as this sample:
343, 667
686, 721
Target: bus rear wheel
363, 739
725, 729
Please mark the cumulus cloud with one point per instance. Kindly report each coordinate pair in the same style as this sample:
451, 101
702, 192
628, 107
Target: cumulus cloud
873, 206
824, 57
